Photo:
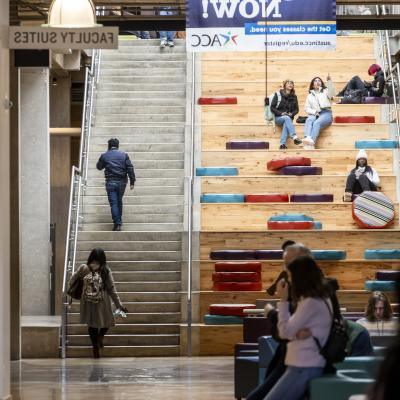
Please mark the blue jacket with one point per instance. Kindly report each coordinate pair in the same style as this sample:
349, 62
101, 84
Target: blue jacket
117, 165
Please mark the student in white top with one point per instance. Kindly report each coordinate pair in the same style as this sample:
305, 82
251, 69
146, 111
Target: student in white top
361, 178
313, 315
319, 110
379, 320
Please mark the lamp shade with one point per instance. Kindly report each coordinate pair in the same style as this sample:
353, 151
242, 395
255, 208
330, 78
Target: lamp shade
72, 14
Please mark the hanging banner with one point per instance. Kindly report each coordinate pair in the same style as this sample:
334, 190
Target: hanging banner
261, 25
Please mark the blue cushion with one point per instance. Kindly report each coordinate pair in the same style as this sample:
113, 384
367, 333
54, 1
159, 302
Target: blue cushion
382, 254
222, 320
217, 171
380, 286
222, 198
291, 217
376, 144
318, 225
329, 254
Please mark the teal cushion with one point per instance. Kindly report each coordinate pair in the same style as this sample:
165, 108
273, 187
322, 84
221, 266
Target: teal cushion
291, 217
318, 225
329, 254
376, 144
380, 286
382, 254
217, 171
370, 364
222, 320
222, 198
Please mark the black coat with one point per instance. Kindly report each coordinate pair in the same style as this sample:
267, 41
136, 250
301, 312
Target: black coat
378, 84
288, 104
117, 165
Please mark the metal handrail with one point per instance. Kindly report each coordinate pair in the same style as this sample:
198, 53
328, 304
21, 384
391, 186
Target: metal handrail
78, 186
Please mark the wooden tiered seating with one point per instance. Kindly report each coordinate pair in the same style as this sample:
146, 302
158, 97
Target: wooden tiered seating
244, 226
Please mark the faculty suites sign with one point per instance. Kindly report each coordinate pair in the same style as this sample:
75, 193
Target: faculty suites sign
261, 25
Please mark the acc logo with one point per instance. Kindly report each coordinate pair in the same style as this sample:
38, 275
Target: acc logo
218, 40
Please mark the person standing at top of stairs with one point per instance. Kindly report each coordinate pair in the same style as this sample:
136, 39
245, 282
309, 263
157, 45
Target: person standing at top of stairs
167, 37
118, 167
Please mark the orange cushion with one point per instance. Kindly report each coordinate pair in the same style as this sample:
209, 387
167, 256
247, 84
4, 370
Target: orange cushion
236, 277
279, 163
238, 267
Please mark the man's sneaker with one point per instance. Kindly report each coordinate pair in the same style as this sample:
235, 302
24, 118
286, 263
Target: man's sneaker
170, 43
282, 147
308, 141
297, 141
308, 147
163, 43
348, 197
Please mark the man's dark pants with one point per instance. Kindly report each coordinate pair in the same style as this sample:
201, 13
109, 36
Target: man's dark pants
115, 193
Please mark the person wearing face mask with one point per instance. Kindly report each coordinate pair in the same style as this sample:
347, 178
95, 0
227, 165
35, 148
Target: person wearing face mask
285, 106
319, 110
361, 178
98, 291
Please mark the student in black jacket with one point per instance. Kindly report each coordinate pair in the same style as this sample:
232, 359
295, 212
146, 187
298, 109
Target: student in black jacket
370, 89
118, 167
285, 106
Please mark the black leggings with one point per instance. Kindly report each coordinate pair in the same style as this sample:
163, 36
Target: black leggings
354, 84
94, 334
357, 186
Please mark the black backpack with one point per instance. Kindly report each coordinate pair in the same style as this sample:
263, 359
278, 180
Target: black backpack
334, 350
353, 97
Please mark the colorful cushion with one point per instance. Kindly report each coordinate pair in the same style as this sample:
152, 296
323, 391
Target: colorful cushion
217, 171
238, 267
236, 277
276, 164
318, 225
378, 100
382, 254
233, 255
311, 198
355, 120
237, 286
222, 320
247, 145
300, 171
217, 100
373, 210
291, 217
380, 286
230, 309
329, 255
269, 254
389, 275
290, 225
377, 144
266, 198
222, 198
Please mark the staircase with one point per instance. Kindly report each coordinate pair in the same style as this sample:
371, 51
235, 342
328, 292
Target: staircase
141, 100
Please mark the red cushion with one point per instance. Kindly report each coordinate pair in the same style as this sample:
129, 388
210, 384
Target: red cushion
290, 225
236, 277
217, 100
238, 267
266, 198
230, 309
237, 286
355, 120
279, 163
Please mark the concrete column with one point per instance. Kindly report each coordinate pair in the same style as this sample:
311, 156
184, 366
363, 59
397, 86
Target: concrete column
5, 205
34, 190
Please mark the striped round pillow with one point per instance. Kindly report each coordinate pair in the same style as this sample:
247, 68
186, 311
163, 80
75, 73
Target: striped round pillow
373, 210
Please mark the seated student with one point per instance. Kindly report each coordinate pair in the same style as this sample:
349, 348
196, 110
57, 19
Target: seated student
319, 110
379, 320
359, 343
371, 89
285, 110
361, 178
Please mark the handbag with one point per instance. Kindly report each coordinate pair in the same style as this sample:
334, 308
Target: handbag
75, 287
334, 350
352, 97
301, 120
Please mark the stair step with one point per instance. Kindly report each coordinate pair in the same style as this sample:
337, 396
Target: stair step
120, 108
148, 297
143, 79
138, 157
133, 329
148, 56
130, 200
135, 227
148, 286
143, 307
127, 340
143, 65
125, 351
134, 132
163, 96
129, 236
147, 276
131, 209
136, 101
148, 173
137, 148
140, 265
149, 72
120, 119
143, 139
136, 218
140, 318
141, 191
117, 88
129, 245
135, 43
135, 255
143, 182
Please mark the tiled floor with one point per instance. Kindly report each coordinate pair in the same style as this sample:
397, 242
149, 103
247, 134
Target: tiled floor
124, 379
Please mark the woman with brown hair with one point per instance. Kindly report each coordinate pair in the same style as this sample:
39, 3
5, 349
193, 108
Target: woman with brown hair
379, 320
